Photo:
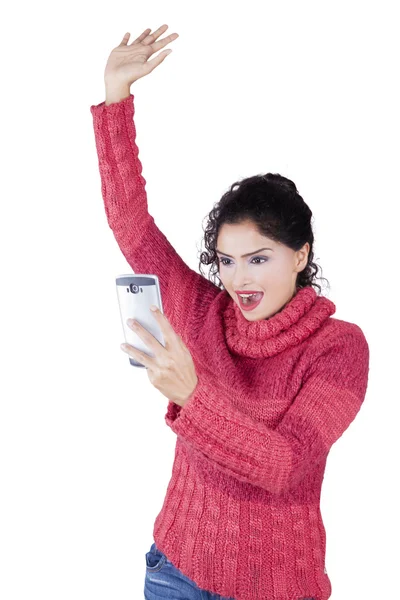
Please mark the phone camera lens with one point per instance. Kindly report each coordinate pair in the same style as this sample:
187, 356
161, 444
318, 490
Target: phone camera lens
134, 288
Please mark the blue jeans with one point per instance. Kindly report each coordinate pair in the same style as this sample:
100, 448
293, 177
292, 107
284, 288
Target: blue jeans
164, 581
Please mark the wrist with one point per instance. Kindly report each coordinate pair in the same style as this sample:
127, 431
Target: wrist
194, 388
116, 93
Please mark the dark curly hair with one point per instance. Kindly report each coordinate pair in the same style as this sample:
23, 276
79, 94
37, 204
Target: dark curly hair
274, 205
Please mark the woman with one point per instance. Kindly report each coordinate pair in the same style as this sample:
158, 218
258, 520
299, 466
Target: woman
266, 385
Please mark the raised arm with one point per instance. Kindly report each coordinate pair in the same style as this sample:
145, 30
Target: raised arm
144, 246
277, 459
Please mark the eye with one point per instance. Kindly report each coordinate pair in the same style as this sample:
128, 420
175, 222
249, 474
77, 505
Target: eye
221, 260
260, 258
264, 259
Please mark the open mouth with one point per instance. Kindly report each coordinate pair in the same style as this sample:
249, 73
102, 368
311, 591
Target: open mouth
250, 300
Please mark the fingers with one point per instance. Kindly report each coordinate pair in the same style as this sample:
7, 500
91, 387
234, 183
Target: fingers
145, 359
161, 43
168, 331
147, 40
142, 36
125, 39
155, 35
150, 340
152, 64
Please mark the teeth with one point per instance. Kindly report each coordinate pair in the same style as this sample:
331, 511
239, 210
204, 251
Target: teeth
247, 295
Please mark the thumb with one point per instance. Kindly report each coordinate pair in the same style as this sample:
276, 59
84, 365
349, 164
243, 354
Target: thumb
152, 64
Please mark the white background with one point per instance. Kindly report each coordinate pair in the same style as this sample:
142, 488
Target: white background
306, 89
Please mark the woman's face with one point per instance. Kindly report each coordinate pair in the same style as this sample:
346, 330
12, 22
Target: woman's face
272, 271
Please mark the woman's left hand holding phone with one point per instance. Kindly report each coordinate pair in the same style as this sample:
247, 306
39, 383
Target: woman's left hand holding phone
171, 370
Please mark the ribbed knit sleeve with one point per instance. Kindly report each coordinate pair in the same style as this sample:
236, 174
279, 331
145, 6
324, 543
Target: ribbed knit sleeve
144, 246
277, 459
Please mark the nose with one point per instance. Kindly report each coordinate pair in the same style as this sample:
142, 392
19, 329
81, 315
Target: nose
240, 281
241, 284
244, 285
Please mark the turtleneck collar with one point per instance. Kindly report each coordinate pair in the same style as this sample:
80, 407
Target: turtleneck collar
299, 318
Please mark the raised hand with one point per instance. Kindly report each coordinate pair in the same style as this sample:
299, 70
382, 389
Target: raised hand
129, 62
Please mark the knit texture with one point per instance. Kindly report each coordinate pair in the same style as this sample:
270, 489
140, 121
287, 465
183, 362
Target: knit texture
241, 515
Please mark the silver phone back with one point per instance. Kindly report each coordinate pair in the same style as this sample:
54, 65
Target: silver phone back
136, 292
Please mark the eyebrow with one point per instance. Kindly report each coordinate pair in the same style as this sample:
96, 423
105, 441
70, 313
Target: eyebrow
243, 255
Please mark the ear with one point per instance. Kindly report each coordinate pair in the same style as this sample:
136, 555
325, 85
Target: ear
302, 257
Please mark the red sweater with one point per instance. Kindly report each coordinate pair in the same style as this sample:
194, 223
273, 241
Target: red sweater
241, 515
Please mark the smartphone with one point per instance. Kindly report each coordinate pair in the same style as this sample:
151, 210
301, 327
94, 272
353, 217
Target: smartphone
136, 293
